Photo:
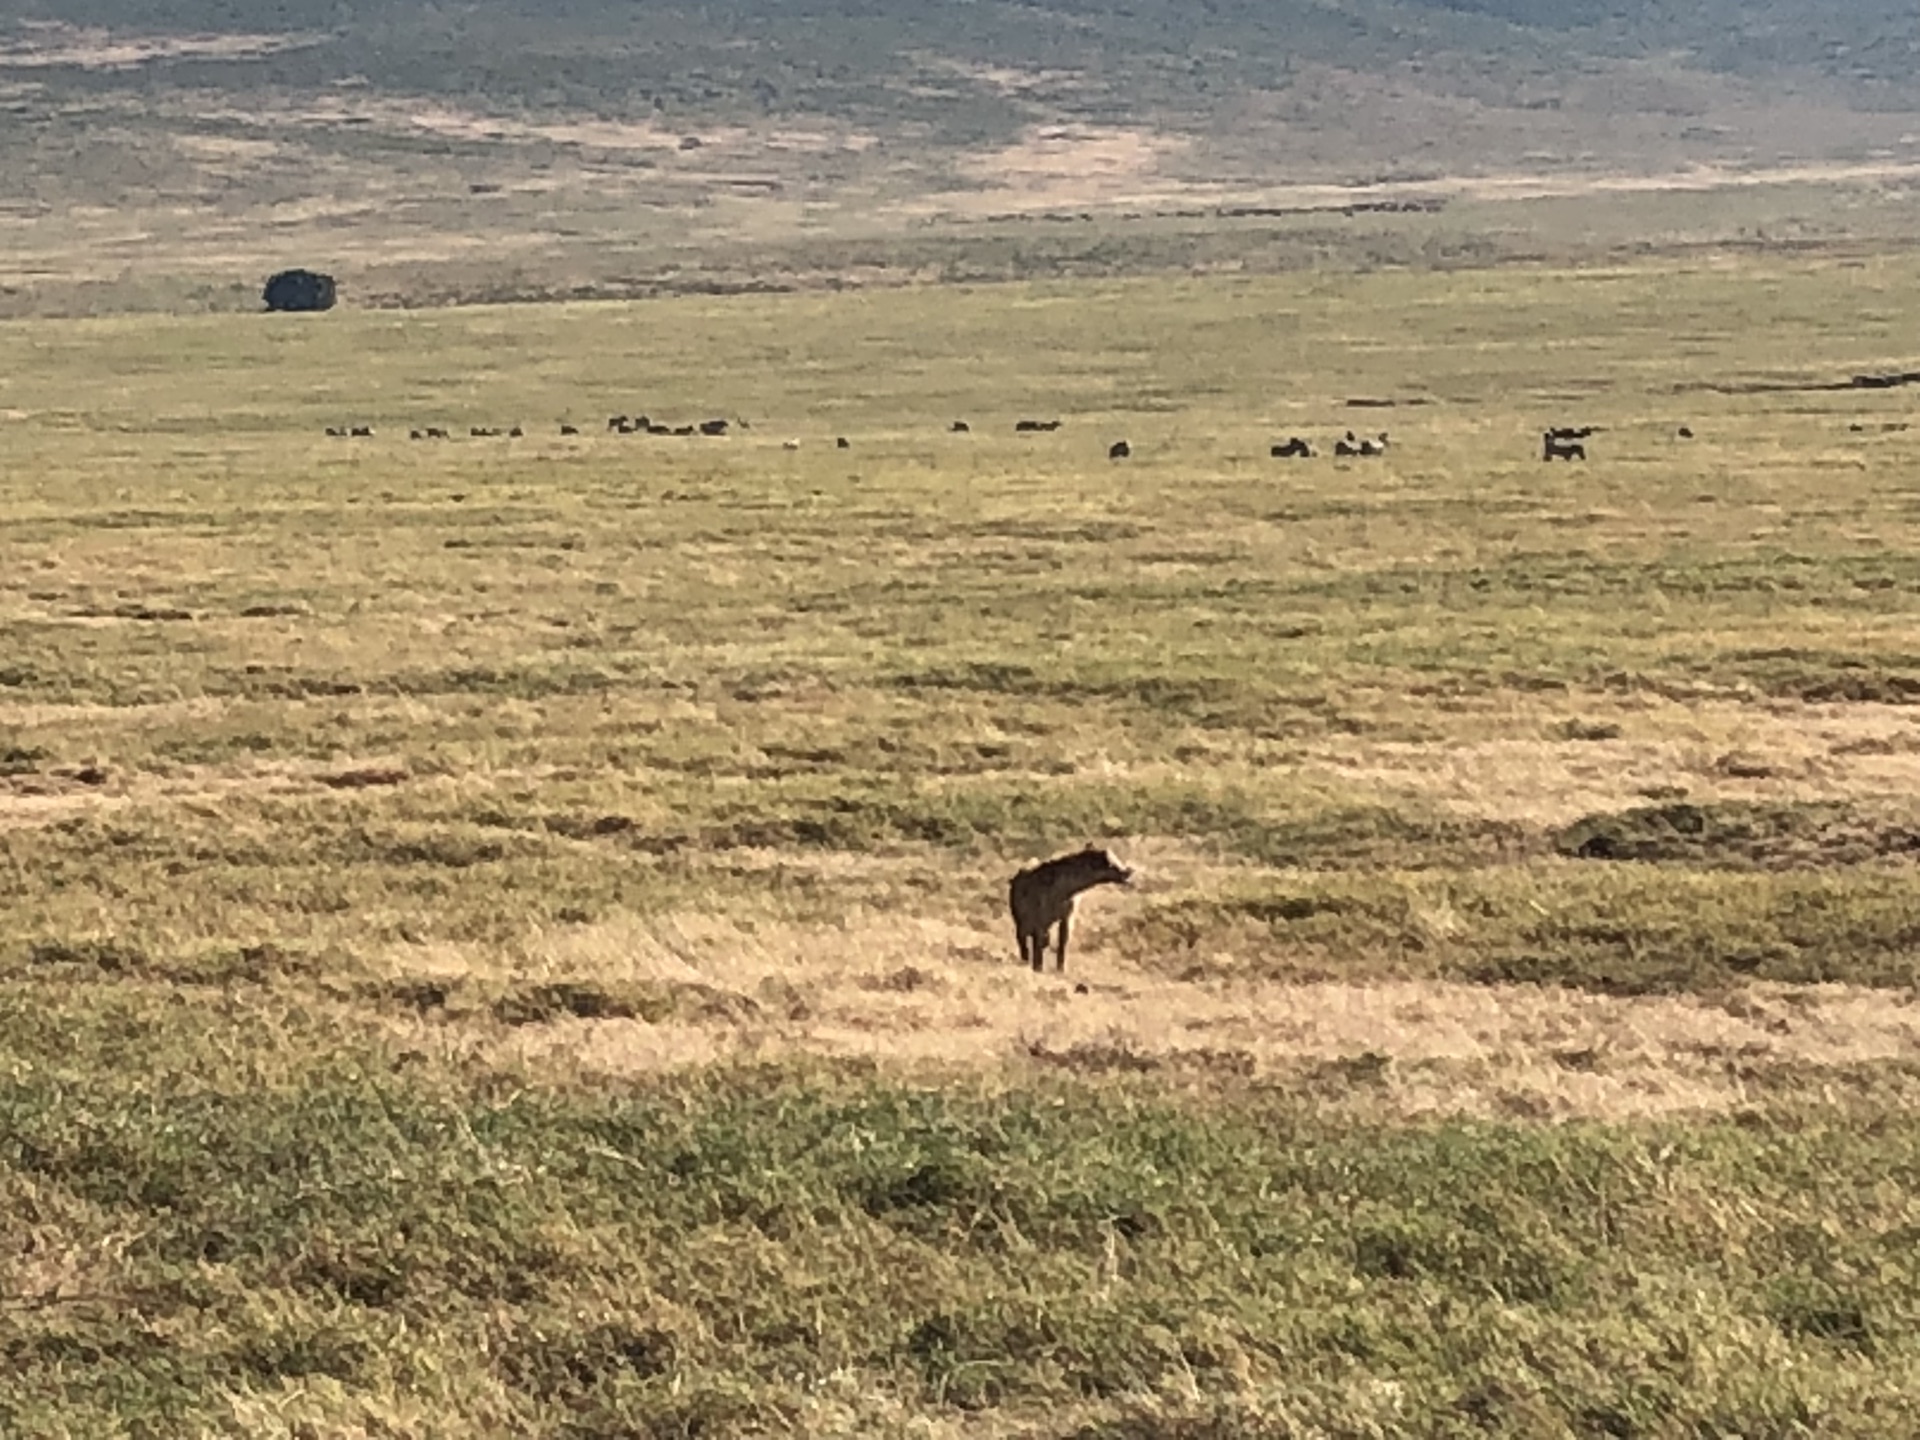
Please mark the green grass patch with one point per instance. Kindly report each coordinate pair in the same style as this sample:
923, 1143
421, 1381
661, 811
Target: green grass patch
726, 1247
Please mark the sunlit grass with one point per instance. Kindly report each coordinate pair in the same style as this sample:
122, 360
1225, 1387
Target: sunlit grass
444, 881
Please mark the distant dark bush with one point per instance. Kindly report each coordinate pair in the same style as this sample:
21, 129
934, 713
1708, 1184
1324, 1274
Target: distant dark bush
300, 290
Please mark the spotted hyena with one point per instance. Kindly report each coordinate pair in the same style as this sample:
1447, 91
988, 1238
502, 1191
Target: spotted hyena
1042, 896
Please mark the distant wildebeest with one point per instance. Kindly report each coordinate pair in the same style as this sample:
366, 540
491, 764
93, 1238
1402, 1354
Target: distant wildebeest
416, 435
434, 432
337, 431
959, 427
1685, 432
713, 427
667, 430
1558, 449
361, 432
618, 422
1041, 897
1025, 427
1295, 448
1571, 432
842, 443
682, 429
566, 429
1119, 450
516, 432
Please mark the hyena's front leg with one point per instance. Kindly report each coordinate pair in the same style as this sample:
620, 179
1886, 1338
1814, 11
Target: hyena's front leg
1060, 955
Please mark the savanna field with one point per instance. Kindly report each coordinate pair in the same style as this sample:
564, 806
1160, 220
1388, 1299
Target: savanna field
508, 936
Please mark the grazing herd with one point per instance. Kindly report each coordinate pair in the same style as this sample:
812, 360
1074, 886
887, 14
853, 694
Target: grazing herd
1561, 442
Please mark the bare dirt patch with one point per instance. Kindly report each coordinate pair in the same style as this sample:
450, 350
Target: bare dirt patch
1075, 165
51, 43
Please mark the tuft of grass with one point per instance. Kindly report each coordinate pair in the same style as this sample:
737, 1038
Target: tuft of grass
1738, 835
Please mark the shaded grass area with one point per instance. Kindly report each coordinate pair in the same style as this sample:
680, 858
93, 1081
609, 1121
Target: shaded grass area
281, 1209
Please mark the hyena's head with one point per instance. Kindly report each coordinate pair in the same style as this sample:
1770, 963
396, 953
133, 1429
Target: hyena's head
1096, 867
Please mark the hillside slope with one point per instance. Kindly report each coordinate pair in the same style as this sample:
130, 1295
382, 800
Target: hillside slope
433, 135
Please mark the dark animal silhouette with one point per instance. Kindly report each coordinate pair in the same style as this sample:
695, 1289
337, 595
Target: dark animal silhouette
337, 430
713, 427
569, 429
360, 432
1026, 427
416, 435
299, 290
667, 430
1042, 896
842, 443
618, 422
1572, 432
434, 432
960, 427
680, 429
1558, 448
1295, 448
1119, 450
1685, 432
516, 432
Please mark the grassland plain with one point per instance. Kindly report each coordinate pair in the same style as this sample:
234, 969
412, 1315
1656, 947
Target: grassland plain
506, 936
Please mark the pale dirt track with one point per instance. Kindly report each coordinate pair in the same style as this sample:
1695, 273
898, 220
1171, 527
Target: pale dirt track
927, 994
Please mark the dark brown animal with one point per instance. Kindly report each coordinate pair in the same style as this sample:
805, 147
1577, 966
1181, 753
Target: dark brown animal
842, 443
569, 429
1119, 450
1042, 896
1295, 448
1029, 427
1557, 448
959, 427
713, 427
